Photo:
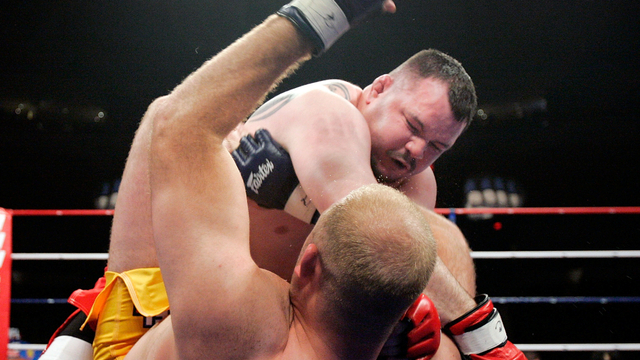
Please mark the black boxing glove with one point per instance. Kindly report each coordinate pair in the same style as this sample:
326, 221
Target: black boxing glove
324, 21
480, 334
269, 177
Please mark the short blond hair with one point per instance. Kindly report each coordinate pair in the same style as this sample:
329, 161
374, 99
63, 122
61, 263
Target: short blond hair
377, 253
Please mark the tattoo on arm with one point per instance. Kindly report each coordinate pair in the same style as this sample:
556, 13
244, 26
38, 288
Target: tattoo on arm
277, 103
271, 107
339, 89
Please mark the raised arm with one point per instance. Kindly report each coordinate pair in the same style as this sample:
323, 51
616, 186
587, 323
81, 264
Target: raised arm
198, 206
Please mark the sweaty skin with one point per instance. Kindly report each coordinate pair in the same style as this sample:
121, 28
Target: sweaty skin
399, 161
329, 141
320, 124
276, 237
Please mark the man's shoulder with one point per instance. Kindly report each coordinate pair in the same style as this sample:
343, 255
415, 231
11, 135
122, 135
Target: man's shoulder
310, 95
421, 188
320, 103
307, 112
340, 88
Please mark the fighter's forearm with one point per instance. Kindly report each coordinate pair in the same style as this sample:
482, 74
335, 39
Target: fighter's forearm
227, 88
189, 168
449, 296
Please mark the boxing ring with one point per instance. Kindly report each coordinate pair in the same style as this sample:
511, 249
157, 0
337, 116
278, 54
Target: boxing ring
7, 257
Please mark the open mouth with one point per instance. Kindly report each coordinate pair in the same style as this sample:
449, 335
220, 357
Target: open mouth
408, 166
400, 164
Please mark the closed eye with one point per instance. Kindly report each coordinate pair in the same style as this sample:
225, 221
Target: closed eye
435, 147
413, 128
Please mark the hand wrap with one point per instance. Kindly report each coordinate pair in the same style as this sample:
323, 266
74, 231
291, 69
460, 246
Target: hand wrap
269, 177
324, 21
480, 334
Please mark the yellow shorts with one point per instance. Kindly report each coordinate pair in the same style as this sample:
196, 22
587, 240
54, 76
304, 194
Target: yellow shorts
130, 304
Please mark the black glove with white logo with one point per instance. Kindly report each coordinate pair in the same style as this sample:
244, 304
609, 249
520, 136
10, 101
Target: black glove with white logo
266, 169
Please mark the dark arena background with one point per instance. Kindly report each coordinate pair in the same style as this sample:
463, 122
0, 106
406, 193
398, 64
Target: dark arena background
557, 126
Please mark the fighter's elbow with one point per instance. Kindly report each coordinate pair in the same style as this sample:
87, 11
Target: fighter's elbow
161, 111
163, 117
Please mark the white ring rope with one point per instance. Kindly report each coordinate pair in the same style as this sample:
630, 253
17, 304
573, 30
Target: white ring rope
59, 256
474, 254
590, 254
522, 347
18, 346
602, 254
580, 347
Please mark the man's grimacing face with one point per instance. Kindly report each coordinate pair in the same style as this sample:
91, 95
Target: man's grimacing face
411, 125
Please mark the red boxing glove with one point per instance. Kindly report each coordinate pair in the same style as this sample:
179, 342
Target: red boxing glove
417, 335
424, 337
480, 334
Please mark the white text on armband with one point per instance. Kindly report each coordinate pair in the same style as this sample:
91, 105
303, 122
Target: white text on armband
255, 179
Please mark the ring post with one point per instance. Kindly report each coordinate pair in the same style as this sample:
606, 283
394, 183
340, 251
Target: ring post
5, 280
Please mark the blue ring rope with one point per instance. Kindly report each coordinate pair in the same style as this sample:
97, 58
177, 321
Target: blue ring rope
497, 300
39, 301
566, 300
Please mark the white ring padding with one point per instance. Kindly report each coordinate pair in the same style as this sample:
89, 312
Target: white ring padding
579, 347
59, 256
66, 347
600, 254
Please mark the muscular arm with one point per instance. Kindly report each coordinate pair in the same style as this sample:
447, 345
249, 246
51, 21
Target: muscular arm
453, 248
199, 212
325, 135
329, 146
331, 152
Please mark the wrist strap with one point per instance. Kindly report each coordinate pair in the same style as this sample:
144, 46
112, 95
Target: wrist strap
300, 206
326, 20
487, 337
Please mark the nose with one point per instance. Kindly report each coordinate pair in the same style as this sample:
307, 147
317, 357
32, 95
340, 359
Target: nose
417, 147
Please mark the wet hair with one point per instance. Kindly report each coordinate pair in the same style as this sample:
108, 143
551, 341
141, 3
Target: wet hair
436, 64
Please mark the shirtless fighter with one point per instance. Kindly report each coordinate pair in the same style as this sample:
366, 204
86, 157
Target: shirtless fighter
353, 282
324, 139
127, 215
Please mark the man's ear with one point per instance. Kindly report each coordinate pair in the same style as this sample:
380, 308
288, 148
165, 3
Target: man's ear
309, 263
379, 86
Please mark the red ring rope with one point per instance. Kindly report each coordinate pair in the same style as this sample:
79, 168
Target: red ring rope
61, 212
543, 210
443, 211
